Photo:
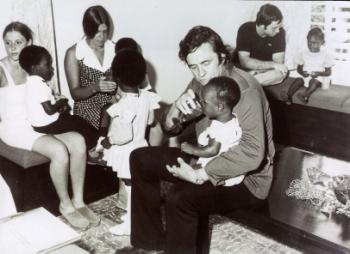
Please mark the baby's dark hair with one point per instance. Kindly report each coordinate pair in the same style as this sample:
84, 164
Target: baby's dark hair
227, 90
126, 43
31, 56
129, 67
317, 32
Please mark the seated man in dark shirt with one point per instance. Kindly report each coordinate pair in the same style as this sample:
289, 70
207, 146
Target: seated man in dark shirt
261, 46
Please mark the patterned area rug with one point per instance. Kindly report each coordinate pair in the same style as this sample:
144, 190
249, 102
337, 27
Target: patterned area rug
228, 236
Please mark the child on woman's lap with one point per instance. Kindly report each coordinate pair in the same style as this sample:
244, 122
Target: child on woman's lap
128, 118
49, 116
48, 112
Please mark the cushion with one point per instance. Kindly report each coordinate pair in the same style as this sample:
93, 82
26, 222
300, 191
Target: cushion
21, 157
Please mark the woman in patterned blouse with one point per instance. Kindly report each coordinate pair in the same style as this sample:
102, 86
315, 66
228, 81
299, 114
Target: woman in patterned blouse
87, 64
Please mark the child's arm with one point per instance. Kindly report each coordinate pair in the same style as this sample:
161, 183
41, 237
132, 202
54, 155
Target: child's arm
51, 109
121, 128
206, 151
151, 118
122, 134
300, 70
327, 72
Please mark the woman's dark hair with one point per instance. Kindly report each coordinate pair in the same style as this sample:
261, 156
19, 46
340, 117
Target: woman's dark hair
126, 43
129, 67
199, 35
267, 14
23, 29
227, 90
31, 56
95, 16
317, 32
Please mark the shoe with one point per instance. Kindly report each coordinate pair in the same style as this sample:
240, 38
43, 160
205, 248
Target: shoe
76, 220
121, 229
132, 250
123, 196
89, 215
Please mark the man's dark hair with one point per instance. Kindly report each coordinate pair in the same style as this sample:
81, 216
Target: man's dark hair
129, 67
126, 43
317, 32
267, 14
199, 35
95, 16
227, 90
31, 56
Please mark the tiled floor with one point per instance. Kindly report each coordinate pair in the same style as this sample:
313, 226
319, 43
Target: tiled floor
227, 236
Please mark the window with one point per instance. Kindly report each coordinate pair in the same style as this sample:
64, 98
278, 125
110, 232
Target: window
334, 19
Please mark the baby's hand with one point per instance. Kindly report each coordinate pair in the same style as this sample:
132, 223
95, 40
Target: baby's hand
59, 96
305, 74
62, 105
65, 108
106, 144
186, 148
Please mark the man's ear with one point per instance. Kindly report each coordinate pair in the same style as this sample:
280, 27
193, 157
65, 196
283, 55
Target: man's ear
30, 42
222, 58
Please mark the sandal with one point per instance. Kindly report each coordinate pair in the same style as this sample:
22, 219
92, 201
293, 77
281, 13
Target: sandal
89, 215
304, 99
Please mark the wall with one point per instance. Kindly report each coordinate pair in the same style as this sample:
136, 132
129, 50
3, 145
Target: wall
159, 25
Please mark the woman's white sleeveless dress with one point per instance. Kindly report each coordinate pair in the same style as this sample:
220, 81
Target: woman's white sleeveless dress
15, 129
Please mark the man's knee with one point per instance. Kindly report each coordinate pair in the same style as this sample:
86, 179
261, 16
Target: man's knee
177, 198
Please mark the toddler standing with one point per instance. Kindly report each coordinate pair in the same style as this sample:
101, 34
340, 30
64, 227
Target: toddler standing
129, 118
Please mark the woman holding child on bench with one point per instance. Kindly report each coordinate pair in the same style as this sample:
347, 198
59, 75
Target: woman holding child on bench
66, 151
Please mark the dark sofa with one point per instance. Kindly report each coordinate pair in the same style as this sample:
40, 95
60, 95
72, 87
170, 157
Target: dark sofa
314, 132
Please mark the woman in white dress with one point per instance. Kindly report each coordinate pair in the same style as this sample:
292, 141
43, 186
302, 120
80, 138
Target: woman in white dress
67, 152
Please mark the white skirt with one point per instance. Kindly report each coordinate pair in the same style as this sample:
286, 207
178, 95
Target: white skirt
117, 157
20, 135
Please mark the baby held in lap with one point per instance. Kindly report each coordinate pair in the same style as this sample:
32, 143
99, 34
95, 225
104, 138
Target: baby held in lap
218, 98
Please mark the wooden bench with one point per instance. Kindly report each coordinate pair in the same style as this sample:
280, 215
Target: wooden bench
27, 175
